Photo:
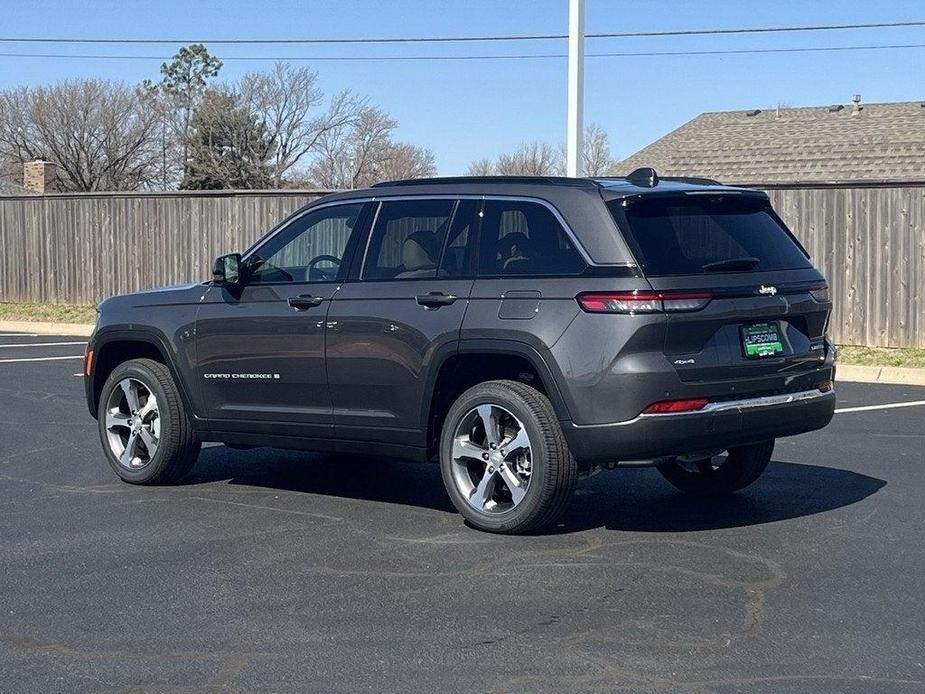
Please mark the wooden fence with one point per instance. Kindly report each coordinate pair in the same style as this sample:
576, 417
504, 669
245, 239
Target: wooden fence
82, 248
869, 241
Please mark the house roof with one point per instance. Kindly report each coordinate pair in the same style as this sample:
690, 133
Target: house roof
880, 142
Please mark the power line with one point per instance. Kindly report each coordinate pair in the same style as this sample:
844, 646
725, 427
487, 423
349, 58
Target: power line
452, 39
523, 56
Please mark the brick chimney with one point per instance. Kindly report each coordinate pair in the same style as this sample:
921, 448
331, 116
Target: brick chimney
37, 176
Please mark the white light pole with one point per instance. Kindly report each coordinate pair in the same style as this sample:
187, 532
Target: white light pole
576, 86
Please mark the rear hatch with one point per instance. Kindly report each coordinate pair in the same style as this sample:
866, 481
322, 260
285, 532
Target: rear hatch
750, 302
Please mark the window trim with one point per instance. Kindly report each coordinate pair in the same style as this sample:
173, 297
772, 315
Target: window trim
349, 249
353, 274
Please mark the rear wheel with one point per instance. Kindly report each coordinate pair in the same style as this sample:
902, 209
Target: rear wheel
144, 428
504, 459
716, 475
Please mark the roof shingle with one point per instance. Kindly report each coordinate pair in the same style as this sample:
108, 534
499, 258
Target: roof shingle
881, 142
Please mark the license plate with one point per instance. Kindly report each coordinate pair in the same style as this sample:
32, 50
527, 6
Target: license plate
762, 340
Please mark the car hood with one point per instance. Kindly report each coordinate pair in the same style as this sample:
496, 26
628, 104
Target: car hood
159, 296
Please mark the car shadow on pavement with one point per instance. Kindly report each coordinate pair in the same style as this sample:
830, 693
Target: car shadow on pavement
633, 499
641, 500
368, 478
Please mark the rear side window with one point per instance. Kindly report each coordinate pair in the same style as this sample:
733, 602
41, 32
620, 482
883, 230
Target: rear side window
407, 238
692, 235
524, 238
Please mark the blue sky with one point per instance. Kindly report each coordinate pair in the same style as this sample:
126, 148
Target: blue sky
465, 110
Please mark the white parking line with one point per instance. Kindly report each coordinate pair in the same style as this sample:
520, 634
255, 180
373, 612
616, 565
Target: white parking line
14, 361
43, 344
888, 406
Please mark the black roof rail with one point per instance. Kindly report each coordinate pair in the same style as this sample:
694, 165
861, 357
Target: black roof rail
544, 180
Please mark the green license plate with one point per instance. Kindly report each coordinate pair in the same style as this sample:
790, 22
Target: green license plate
762, 340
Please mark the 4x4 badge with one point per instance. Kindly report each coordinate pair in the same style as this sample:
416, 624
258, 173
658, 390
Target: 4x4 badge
770, 291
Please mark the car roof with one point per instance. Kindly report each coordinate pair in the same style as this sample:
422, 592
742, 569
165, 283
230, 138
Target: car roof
577, 200
639, 182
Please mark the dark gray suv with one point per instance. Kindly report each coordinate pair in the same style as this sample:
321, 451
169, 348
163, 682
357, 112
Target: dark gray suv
522, 331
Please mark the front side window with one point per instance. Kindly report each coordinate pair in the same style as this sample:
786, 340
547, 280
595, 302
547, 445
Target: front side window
407, 239
525, 238
310, 249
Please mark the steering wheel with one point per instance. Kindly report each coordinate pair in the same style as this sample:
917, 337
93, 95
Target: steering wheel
320, 259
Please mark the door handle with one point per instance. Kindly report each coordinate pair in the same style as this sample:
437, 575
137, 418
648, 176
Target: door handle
304, 301
435, 299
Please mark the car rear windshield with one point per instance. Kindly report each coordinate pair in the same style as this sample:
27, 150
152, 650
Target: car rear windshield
688, 235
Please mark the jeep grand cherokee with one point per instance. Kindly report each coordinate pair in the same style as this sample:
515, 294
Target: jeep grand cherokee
522, 331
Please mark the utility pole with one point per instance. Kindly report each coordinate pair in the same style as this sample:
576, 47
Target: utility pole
576, 86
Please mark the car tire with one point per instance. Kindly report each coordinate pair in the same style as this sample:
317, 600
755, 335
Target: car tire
145, 441
716, 476
517, 479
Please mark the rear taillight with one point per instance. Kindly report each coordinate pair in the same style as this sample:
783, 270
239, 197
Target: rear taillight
821, 293
643, 301
674, 406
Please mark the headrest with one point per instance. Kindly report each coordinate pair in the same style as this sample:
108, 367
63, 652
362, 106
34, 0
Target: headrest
419, 251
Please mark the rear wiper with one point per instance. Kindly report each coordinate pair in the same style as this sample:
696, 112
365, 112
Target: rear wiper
747, 263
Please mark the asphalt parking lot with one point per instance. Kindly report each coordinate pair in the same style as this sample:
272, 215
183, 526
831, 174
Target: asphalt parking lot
275, 570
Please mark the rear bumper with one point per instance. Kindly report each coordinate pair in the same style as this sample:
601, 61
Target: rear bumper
718, 426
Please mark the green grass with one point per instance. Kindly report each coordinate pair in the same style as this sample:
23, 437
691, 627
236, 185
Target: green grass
51, 313
882, 356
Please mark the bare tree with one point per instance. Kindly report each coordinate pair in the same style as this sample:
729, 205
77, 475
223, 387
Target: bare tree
401, 160
481, 167
531, 159
97, 133
595, 156
363, 152
541, 159
288, 101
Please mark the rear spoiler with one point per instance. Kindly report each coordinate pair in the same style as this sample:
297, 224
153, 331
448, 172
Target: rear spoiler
626, 200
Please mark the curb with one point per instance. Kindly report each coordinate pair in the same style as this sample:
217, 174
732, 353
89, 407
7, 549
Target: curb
15, 326
899, 375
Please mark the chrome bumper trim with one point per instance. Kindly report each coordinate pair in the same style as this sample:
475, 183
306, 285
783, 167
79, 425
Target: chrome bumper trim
726, 406
751, 403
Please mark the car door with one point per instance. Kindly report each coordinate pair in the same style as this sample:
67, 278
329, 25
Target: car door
260, 344
528, 275
401, 316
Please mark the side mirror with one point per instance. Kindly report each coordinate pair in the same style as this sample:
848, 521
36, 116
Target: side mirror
227, 269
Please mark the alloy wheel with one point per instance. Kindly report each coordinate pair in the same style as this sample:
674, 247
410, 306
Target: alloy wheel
133, 423
492, 459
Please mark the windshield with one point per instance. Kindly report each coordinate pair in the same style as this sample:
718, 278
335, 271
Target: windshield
689, 235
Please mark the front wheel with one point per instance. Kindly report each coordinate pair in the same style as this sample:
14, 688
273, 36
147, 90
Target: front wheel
504, 459
717, 475
144, 428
